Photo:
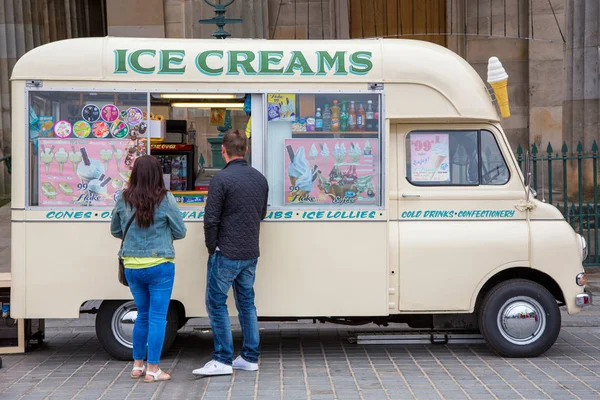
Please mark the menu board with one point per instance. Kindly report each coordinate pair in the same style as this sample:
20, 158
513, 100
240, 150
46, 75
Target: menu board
331, 171
82, 172
429, 157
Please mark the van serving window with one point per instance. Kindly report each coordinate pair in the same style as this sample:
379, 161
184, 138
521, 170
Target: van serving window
329, 146
83, 146
454, 158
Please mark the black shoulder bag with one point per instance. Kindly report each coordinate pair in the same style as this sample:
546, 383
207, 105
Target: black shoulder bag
122, 277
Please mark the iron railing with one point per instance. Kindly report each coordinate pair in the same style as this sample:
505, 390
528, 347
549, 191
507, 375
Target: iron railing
569, 180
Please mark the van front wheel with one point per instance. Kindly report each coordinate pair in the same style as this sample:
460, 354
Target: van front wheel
114, 328
519, 318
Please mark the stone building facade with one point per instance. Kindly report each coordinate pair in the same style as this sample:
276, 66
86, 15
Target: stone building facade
548, 47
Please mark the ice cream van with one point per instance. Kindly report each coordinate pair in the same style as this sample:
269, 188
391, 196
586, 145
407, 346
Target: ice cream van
394, 194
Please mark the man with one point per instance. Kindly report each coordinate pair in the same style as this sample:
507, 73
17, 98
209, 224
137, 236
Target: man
236, 203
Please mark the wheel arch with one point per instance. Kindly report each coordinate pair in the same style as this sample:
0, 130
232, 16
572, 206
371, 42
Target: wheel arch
526, 273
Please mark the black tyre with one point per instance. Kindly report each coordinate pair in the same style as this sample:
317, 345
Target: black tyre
114, 328
519, 318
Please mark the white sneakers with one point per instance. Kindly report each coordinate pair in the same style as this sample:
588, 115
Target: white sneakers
214, 367
240, 363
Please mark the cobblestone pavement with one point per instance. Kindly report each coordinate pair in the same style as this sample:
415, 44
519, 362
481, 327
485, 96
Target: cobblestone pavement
303, 362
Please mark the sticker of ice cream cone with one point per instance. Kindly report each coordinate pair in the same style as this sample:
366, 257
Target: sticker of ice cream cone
313, 153
47, 156
118, 153
439, 153
298, 165
106, 155
355, 152
498, 80
75, 157
368, 148
88, 170
61, 158
324, 152
306, 183
339, 153
97, 188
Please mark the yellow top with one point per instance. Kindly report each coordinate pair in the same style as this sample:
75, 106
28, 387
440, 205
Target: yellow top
144, 262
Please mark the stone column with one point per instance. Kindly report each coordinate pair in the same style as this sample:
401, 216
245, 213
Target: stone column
581, 108
136, 18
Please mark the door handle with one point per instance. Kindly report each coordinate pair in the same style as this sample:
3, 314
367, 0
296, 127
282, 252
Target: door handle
410, 195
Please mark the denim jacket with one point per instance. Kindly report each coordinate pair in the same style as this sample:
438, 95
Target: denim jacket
154, 241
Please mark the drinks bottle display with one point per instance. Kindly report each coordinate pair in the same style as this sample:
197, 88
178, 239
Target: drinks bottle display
327, 119
360, 118
344, 117
335, 117
318, 120
352, 117
370, 114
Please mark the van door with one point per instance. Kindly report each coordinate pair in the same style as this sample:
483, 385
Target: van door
459, 189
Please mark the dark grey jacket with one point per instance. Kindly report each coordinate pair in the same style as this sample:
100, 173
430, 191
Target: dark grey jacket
236, 203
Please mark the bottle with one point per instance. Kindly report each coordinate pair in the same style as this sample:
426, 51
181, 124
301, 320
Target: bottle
360, 118
318, 120
344, 117
335, 117
370, 114
377, 115
352, 117
327, 119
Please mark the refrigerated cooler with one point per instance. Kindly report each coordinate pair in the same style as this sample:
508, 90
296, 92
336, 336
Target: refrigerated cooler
177, 162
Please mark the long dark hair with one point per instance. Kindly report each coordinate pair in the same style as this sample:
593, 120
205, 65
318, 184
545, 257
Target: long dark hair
146, 189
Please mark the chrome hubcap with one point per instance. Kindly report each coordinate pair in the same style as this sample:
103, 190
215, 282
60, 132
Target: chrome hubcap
122, 323
521, 320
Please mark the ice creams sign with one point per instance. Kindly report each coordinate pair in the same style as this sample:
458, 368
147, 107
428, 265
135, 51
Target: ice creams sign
243, 62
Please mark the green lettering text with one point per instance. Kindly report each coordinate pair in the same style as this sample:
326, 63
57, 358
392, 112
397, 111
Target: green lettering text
361, 63
298, 62
337, 62
169, 59
120, 61
245, 63
268, 58
202, 62
134, 61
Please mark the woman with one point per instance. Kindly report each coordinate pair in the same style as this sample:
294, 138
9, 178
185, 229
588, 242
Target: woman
148, 256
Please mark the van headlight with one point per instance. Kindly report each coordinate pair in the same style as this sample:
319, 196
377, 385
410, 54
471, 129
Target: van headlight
584, 248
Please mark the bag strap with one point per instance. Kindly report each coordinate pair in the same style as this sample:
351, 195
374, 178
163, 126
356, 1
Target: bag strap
127, 229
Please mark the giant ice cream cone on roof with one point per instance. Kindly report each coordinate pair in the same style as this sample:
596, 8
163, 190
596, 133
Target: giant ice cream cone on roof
498, 79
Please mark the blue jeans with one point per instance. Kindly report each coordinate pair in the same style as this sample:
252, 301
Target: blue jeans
151, 289
221, 275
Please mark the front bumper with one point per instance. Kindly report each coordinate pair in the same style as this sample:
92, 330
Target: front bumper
584, 299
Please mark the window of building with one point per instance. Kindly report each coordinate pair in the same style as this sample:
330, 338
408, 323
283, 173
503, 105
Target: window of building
459, 158
324, 149
83, 145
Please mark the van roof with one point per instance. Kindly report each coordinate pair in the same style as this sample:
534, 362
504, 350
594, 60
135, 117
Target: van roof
424, 79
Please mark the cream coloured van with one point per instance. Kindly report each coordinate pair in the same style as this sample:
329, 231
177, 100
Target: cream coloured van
394, 193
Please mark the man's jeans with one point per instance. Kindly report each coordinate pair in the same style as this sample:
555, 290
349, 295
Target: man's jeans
151, 289
221, 275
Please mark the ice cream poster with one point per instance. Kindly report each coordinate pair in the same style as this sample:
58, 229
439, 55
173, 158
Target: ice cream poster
82, 172
429, 157
331, 171
281, 107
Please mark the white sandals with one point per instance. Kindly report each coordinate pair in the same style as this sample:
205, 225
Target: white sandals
155, 376
142, 370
